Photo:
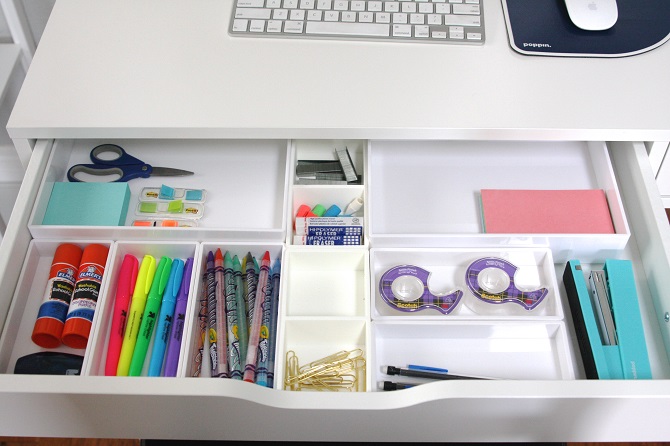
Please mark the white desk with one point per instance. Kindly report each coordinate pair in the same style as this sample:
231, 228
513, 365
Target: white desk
170, 69
167, 69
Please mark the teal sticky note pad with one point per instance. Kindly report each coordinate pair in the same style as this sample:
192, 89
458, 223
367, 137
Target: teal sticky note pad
88, 204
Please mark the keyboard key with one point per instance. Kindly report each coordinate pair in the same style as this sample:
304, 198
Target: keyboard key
293, 26
343, 29
252, 13
240, 25
462, 20
402, 30
374, 6
465, 9
274, 26
421, 31
250, 3
257, 26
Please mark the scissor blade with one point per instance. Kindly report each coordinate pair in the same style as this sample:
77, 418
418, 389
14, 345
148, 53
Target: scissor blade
169, 172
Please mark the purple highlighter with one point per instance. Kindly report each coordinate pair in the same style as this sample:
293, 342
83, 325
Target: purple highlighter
174, 343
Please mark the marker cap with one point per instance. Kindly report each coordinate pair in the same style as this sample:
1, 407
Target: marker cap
332, 211
319, 210
303, 209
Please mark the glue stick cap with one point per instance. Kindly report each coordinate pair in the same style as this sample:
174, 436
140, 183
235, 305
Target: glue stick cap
51, 316
79, 318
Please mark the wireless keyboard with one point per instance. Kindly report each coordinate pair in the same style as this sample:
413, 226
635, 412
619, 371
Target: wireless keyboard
448, 21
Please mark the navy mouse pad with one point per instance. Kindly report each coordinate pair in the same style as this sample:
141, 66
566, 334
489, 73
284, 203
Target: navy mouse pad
543, 27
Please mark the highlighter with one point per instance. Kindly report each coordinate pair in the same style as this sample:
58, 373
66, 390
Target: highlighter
149, 316
174, 344
124, 290
165, 318
144, 278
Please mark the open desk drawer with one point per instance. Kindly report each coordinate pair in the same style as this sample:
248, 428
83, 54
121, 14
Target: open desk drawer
546, 405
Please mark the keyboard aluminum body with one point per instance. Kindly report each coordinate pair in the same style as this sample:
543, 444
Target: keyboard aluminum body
446, 21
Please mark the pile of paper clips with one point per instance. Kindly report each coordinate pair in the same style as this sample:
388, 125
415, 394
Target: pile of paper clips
341, 371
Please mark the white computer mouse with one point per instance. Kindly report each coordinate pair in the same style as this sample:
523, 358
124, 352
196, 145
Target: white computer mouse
593, 15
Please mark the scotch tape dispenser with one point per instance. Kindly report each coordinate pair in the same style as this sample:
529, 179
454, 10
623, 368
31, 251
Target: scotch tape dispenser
491, 281
405, 288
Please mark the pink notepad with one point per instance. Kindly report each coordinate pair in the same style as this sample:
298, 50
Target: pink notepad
584, 211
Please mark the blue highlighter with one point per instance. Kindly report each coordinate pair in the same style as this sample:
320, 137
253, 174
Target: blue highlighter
165, 318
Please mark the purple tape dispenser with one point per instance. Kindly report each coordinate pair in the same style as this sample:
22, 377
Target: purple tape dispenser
405, 288
491, 280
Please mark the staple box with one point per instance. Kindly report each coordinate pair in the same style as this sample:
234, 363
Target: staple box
87, 204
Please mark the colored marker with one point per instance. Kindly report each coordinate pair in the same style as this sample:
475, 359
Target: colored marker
276, 277
242, 326
124, 290
165, 318
149, 316
216, 309
177, 331
145, 276
257, 318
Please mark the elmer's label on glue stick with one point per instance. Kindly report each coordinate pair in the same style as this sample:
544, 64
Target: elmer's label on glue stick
53, 310
85, 296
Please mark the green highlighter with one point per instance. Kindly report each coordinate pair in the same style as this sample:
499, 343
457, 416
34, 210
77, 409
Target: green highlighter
150, 314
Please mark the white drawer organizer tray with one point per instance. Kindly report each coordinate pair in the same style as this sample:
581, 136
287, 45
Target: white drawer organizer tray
420, 208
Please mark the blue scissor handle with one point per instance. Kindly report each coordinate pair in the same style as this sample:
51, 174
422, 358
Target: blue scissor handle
125, 173
116, 156
127, 167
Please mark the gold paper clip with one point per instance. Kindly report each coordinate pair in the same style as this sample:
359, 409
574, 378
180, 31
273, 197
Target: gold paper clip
344, 370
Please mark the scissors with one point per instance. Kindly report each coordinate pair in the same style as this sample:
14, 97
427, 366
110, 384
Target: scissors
110, 159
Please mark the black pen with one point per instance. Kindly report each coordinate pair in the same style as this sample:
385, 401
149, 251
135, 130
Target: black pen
390, 370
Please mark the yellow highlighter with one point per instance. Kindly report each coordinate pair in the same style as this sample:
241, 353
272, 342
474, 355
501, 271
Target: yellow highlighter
153, 305
145, 277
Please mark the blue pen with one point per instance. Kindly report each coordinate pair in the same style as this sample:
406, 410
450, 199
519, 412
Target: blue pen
174, 344
165, 317
426, 368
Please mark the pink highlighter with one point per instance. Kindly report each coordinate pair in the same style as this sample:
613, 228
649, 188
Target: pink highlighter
124, 290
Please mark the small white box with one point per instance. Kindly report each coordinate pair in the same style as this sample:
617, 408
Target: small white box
499, 350
449, 268
426, 193
243, 202
16, 341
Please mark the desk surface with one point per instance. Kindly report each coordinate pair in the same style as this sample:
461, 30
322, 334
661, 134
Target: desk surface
169, 69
